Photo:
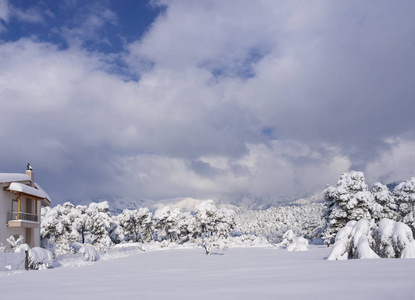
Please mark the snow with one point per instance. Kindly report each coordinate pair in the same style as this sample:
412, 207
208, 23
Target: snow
339, 251
9, 177
409, 251
363, 249
241, 273
19, 187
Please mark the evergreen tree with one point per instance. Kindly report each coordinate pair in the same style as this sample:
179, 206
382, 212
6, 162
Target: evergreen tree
384, 206
404, 194
103, 227
167, 225
349, 200
136, 225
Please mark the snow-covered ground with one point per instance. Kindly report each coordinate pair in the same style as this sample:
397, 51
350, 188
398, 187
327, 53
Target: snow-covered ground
239, 273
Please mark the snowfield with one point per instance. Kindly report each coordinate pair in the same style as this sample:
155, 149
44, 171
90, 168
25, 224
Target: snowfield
239, 273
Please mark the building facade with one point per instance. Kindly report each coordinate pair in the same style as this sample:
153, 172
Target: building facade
21, 200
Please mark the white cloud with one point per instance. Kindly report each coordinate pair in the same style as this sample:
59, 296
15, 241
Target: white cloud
280, 168
31, 15
4, 10
87, 24
393, 165
4, 14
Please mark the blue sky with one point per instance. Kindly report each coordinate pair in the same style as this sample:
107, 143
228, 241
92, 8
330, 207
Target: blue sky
114, 23
177, 98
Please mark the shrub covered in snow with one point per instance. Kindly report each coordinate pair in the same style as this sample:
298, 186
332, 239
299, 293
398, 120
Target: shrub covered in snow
89, 253
391, 238
353, 241
294, 243
358, 240
38, 257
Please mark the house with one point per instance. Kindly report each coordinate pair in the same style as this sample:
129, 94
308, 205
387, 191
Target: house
21, 200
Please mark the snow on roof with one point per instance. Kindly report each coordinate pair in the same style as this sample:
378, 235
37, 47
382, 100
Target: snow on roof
14, 178
22, 188
10, 177
43, 191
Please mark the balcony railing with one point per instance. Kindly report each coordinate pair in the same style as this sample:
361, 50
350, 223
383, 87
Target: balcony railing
15, 216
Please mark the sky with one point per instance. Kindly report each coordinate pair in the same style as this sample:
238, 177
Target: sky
179, 98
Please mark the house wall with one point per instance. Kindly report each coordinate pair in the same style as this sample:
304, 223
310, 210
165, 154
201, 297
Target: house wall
31, 235
5, 206
36, 231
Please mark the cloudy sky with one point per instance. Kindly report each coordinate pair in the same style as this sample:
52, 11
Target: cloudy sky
180, 98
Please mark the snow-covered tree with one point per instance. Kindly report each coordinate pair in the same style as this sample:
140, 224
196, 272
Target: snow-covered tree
166, 223
57, 227
404, 194
103, 227
82, 225
214, 225
145, 222
136, 225
392, 238
384, 206
294, 243
225, 222
206, 217
354, 240
349, 200
14, 243
304, 220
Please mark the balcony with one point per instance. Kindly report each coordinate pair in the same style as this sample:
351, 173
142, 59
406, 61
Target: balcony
22, 220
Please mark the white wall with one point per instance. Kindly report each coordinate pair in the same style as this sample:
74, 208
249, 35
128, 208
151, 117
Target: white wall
5, 207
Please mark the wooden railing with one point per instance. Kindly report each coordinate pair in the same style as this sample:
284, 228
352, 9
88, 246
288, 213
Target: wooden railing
14, 216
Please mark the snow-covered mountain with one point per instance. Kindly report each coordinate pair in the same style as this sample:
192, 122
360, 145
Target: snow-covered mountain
118, 204
234, 201
250, 201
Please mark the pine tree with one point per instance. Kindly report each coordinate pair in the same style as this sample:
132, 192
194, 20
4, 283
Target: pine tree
404, 194
349, 200
384, 206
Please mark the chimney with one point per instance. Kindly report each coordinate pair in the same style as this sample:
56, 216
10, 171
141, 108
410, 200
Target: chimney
30, 173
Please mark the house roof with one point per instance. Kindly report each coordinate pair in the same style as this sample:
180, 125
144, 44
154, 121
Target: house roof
16, 185
22, 188
29, 191
11, 177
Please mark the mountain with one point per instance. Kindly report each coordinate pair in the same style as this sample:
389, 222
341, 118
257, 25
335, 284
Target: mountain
234, 201
250, 201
